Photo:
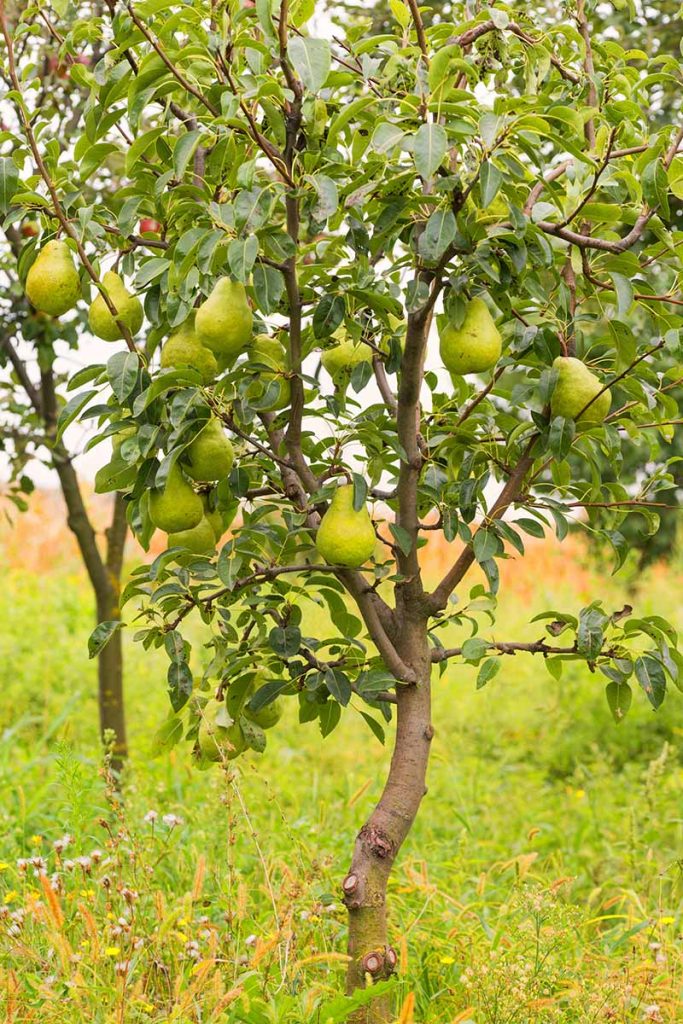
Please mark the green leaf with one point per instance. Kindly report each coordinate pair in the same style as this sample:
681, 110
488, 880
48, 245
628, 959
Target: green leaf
486, 544
561, 437
386, 137
328, 315
311, 59
71, 410
122, 372
650, 675
656, 186
338, 686
101, 635
242, 253
402, 538
329, 716
619, 698
9, 181
474, 648
375, 727
180, 684
488, 670
438, 234
267, 693
328, 196
183, 151
591, 632
490, 179
429, 148
285, 640
624, 290
269, 286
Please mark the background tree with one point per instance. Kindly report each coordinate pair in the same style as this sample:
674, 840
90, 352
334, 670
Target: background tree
32, 384
351, 192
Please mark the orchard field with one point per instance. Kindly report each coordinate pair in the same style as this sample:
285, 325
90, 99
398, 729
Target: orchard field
542, 882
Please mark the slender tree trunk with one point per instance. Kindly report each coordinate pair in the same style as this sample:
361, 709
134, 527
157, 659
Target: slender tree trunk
104, 574
381, 837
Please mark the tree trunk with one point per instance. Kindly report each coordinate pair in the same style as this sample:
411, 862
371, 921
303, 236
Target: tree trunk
381, 837
110, 659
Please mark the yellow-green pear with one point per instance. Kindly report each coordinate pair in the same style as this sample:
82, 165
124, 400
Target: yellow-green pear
271, 352
345, 537
211, 455
219, 742
341, 358
575, 387
476, 345
214, 517
199, 540
128, 307
184, 349
175, 506
52, 284
224, 321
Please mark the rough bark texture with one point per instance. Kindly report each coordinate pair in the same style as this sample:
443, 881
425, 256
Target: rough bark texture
381, 837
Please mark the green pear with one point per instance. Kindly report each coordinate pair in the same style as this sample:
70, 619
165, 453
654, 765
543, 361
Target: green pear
199, 540
219, 742
211, 455
175, 507
52, 284
270, 352
345, 537
341, 359
576, 386
224, 321
476, 345
214, 517
268, 716
184, 349
129, 309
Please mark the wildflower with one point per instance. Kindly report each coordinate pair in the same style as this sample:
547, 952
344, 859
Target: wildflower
250, 940
172, 820
112, 951
4, 866
122, 967
96, 856
85, 863
130, 895
36, 840
69, 865
22, 864
151, 817
61, 844
10, 895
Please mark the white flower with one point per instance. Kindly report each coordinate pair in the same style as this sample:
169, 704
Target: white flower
151, 817
61, 844
171, 820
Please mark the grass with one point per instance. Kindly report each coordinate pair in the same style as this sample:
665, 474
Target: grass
542, 882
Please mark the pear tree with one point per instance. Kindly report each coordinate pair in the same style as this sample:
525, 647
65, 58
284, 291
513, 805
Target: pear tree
393, 294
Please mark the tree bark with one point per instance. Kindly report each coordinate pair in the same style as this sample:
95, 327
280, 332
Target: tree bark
381, 837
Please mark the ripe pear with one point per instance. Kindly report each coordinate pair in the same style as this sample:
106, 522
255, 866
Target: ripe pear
476, 345
219, 742
224, 321
576, 386
211, 455
184, 349
199, 540
175, 507
345, 537
214, 517
129, 309
52, 284
341, 359
270, 352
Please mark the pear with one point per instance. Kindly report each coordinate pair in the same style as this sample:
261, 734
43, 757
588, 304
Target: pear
199, 540
270, 352
129, 309
224, 321
476, 345
576, 387
184, 349
341, 359
175, 507
214, 517
211, 455
52, 284
267, 716
219, 742
345, 537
